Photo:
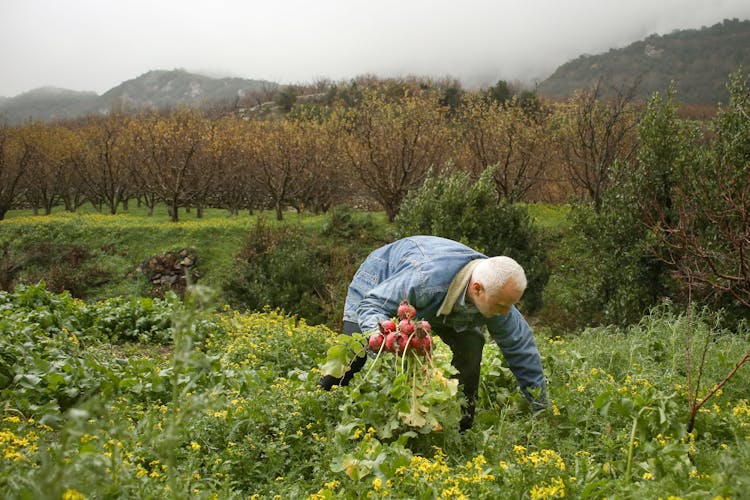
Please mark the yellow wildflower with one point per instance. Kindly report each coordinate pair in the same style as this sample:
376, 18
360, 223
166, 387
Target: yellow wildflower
72, 494
554, 489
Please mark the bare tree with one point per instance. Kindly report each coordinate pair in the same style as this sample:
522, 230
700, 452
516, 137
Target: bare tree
325, 181
14, 158
595, 131
506, 137
50, 169
167, 147
104, 160
393, 144
278, 147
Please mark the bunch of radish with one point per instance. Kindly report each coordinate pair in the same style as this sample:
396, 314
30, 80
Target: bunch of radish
413, 384
408, 335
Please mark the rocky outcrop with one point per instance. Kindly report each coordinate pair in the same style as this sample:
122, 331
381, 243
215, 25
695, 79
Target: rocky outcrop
170, 271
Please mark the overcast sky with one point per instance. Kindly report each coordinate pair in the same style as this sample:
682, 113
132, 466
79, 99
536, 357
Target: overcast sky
97, 44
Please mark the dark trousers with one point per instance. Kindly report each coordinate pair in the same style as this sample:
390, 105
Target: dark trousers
467, 350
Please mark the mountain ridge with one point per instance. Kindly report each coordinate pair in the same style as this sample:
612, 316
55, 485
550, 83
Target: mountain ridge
154, 89
698, 61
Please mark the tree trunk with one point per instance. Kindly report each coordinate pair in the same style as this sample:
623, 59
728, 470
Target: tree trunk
173, 214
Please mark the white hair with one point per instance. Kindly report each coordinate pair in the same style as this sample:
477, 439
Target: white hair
495, 272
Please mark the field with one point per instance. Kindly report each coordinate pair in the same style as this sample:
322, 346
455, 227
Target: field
127, 396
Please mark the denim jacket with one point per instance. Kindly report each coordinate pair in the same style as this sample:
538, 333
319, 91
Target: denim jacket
421, 269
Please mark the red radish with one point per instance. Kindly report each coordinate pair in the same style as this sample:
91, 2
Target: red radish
406, 310
406, 327
409, 334
416, 343
391, 342
387, 326
376, 340
421, 345
427, 344
402, 342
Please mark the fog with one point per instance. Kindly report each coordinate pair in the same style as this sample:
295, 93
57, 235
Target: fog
95, 45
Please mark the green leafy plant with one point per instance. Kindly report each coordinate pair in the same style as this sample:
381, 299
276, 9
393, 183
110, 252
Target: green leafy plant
232, 408
454, 206
131, 319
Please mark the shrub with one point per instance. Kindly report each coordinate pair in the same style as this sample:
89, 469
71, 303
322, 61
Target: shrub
64, 267
453, 206
302, 272
609, 267
704, 233
345, 223
281, 268
605, 273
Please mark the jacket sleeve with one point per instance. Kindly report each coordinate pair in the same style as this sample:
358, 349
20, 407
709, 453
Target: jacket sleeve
513, 335
381, 302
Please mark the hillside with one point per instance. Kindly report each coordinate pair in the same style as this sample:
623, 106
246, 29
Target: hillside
160, 89
698, 61
154, 89
49, 103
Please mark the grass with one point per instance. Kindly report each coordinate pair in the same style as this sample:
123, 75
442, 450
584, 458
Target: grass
549, 217
231, 408
120, 242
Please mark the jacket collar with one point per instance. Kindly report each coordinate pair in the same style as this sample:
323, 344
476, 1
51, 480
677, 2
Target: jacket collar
457, 288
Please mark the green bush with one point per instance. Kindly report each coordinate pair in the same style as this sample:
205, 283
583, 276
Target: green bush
605, 273
453, 206
345, 223
708, 242
281, 268
609, 267
303, 272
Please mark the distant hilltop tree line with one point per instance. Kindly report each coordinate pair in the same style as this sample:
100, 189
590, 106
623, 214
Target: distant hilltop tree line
368, 142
